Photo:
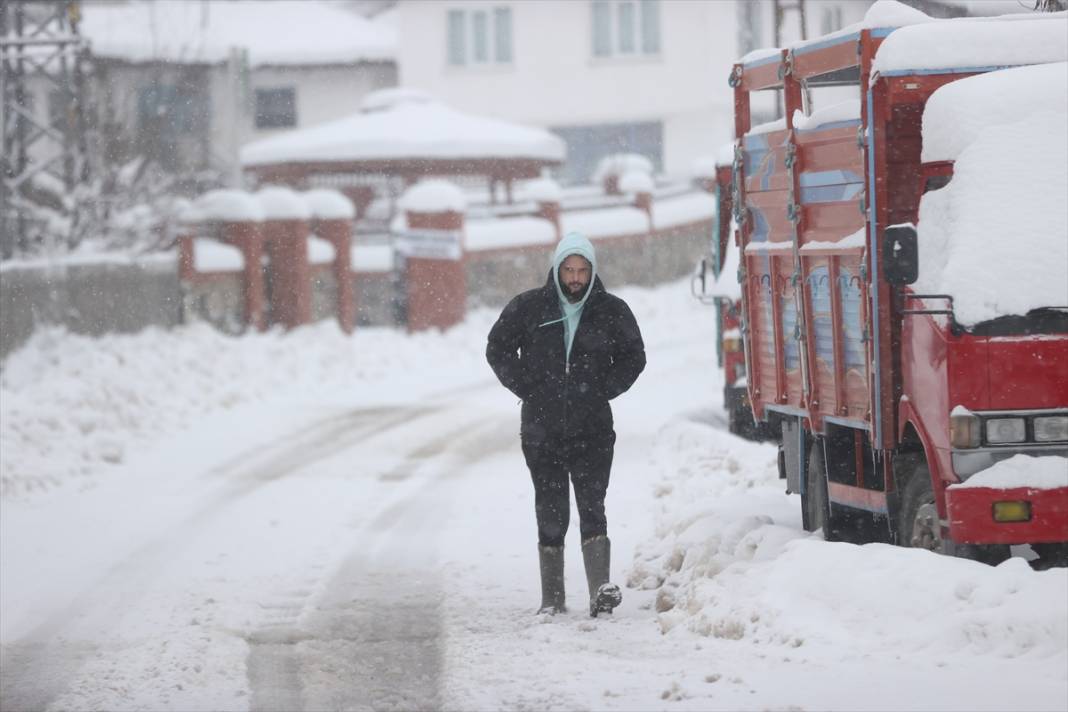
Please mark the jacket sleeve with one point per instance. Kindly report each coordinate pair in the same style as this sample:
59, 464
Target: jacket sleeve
628, 353
502, 350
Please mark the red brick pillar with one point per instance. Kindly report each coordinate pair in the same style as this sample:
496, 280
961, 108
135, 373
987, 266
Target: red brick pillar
248, 237
338, 232
437, 278
640, 185
551, 212
332, 219
547, 194
285, 232
186, 265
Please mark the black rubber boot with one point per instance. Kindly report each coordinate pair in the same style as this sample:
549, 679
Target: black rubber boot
553, 600
604, 595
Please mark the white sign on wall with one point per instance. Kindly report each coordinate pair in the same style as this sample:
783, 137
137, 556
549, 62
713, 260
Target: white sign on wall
429, 244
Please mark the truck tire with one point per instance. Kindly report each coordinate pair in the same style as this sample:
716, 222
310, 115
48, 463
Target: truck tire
918, 524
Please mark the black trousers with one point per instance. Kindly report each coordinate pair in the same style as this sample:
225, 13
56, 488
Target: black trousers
588, 462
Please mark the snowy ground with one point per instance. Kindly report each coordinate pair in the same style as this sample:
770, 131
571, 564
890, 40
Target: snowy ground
320, 522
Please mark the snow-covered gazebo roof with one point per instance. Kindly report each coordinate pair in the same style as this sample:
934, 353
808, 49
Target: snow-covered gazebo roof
407, 133
283, 33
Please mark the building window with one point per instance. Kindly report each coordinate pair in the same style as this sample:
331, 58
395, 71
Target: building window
625, 27
276, 108
472, 35
167, 115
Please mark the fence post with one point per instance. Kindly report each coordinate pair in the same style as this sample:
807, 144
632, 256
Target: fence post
332, 220
433, 248
285, 229
547, 194
236, 217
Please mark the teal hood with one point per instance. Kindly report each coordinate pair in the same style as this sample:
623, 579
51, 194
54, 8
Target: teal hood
572, 244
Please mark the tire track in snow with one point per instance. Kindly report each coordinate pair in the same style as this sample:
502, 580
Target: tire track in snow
373, 641
41, 666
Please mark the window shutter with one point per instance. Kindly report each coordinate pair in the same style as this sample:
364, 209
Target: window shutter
602, 28
502, 20
650, 26
457, 39
479, 37
626, 28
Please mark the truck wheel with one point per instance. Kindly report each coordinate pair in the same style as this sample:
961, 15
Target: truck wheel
814, 504
918, 525
1050, 556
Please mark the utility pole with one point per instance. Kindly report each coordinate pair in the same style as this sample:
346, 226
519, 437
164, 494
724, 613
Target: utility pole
780, 8
40, 46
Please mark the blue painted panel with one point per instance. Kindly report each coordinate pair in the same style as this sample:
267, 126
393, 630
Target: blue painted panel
791, 350
819, 286
852, 330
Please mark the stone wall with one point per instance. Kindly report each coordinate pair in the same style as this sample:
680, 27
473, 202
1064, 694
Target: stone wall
495, 276
92, 299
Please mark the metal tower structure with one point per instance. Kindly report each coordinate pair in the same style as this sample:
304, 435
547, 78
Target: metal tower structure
41, 61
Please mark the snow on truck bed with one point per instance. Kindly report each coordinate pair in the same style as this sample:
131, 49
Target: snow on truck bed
996, 237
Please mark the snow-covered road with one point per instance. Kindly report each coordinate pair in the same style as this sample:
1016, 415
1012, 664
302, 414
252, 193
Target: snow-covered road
310, 521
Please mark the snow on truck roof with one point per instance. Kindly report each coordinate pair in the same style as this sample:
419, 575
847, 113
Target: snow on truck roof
996, 236
959, 111
974, 44
883, 14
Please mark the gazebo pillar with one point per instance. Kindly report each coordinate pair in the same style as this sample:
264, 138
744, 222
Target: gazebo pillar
433, 247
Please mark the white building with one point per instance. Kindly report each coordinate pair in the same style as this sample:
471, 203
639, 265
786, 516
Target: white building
645, 76
188, 83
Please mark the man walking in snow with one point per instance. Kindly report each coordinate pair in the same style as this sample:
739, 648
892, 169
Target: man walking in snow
566, 349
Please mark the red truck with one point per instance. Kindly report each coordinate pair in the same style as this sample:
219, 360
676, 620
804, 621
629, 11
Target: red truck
901, 421
722, 292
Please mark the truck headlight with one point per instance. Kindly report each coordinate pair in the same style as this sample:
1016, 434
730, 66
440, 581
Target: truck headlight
964, 430
1005, 430
1051, 428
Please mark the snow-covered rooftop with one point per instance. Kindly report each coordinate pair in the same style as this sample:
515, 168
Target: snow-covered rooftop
398, 124
274, 33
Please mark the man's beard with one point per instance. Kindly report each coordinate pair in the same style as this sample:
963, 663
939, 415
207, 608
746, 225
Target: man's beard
574, 291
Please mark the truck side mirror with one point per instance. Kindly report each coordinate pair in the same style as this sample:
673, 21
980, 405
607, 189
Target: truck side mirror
699, 283
900, 255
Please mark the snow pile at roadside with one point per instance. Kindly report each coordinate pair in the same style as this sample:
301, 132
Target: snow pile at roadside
73, 406
730, 561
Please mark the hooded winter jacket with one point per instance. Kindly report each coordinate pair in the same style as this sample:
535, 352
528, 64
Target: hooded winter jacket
566, 395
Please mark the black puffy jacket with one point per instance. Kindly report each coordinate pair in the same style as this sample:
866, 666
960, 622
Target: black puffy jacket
569, 399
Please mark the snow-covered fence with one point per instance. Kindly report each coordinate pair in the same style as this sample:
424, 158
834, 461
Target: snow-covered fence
306, 238
207, 279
